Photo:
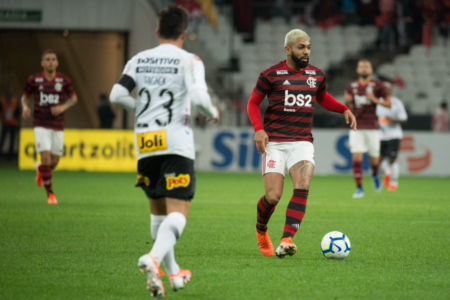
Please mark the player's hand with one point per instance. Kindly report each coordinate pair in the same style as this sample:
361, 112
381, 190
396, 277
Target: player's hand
371, 97
217, 118
26, 112
350, 118
261, 140
57, 110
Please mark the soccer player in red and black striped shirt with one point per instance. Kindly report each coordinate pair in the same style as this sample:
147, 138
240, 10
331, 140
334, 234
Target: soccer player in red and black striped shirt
49, 90
363, 96
292, 88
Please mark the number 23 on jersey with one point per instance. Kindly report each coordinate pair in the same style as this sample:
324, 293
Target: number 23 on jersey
151, 141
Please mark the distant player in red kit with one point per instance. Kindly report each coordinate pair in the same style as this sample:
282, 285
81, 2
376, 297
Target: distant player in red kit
363, 96
48, 89
292, 88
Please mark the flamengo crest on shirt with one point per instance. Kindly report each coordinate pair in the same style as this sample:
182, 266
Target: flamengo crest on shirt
311, 82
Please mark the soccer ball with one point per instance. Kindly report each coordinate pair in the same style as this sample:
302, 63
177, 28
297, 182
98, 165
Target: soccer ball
335, 245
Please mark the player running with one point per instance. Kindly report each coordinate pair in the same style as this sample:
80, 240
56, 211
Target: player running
166, 79
48, 89
391, 133
292, 87
363, 96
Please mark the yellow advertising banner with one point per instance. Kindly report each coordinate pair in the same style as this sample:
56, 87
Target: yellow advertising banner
85, 149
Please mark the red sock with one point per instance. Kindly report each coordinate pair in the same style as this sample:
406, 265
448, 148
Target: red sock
46, 173
374, 170
357, 173
295, 212
263, 213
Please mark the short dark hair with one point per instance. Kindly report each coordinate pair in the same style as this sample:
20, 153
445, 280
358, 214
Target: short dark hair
48, 51
173, 20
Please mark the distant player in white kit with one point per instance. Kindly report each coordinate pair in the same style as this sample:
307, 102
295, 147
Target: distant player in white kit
390, 120
166, 78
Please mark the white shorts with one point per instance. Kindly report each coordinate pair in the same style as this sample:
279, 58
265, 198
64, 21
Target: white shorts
49, 140
365, 140
280, 157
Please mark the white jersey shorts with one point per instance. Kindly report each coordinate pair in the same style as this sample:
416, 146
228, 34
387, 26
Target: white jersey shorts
365, 140
49, 140
280, 157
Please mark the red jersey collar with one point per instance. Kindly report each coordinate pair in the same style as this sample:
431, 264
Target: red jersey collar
371, 79
43, 75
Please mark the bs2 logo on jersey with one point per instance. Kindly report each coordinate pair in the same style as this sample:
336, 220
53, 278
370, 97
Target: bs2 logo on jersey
181, 180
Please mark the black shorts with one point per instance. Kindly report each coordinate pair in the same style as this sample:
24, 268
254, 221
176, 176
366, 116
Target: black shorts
170, 176
390, 148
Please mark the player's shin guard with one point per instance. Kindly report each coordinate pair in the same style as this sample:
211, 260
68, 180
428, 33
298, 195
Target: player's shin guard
295, 212
46, 173
264, 211
168, 233
169, 260
357, 173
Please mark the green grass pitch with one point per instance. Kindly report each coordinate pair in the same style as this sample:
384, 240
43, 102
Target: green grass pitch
87, 246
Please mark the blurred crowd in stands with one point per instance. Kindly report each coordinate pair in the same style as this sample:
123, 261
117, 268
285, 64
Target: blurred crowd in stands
401, 22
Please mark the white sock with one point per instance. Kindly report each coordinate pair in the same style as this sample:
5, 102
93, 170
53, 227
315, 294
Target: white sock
395, 172
385, 167
168, 233
169, 260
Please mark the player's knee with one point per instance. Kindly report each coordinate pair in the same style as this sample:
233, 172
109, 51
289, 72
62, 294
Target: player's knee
273, 197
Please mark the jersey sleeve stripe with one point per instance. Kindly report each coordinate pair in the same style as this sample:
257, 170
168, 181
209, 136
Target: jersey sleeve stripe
127, 82
264, 79
261, 89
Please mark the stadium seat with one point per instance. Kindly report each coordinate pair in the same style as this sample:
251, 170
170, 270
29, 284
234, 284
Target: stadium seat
419, 51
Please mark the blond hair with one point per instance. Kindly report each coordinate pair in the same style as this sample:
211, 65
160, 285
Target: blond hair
294, 35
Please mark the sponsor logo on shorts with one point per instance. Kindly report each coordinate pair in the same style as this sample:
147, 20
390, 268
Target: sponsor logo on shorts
142, 180
181, 180
271, 164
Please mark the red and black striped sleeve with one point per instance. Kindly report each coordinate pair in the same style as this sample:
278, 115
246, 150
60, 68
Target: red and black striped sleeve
68, 88
263, 86
28, 90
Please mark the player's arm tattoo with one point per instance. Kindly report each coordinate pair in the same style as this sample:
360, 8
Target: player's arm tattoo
305, 169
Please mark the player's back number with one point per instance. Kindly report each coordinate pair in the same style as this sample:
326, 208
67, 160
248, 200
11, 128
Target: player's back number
167, 105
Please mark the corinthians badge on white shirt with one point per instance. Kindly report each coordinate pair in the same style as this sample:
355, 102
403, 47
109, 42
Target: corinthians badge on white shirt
311, 81
58, 87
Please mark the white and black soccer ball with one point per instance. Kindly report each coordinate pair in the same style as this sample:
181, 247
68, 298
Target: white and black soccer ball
335, 245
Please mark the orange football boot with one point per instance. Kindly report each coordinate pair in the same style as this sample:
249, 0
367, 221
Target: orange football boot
287, 247
52, 199
386, 180
161, 273
392, 187
264, 243
177, 281
39, 180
